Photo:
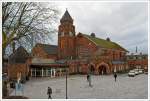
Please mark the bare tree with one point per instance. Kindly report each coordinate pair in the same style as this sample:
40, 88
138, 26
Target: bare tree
22, 20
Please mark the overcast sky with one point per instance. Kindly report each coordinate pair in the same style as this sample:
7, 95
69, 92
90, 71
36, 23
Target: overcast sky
124, 23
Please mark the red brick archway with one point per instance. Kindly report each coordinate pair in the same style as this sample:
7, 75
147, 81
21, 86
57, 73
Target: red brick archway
103, 68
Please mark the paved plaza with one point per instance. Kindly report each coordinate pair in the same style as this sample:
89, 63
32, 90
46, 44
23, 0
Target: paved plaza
103, 87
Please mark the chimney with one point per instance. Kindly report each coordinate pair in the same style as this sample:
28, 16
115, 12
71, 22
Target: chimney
93, 35
140, 53
108, 39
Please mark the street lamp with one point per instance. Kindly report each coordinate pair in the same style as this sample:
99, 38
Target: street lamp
66, 84
67, 66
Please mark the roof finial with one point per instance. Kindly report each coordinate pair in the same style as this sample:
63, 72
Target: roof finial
66, 17
136, 49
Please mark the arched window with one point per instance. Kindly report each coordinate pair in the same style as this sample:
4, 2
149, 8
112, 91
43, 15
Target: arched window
120, 55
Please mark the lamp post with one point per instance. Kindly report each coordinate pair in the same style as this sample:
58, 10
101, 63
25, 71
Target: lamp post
66, 84
67, 69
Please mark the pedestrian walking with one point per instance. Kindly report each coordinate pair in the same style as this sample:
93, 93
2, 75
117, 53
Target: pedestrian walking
115, 76
49, 92
90, 81
88, 78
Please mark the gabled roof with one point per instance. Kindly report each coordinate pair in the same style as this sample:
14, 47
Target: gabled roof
66, 17
19, 56
49, 49
104, 43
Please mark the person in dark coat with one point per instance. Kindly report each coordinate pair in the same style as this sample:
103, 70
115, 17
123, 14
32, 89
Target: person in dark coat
49, 92
88, 77
115, 76
89, 80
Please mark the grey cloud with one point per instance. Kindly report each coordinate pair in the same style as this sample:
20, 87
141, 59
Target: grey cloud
125, 23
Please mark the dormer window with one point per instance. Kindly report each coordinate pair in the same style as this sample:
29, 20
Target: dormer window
93, 35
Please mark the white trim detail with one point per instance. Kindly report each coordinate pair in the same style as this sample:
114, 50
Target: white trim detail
91, 40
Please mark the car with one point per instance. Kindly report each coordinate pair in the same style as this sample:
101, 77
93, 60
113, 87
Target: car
131, 73
136, 71
140, 71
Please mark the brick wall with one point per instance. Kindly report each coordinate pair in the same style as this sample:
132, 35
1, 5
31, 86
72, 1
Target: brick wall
13, 69
84, 47
66, 47
142, 62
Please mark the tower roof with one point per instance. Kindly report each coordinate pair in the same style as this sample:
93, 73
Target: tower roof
66, 17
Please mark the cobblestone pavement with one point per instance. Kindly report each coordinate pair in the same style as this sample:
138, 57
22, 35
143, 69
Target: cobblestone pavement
103, 87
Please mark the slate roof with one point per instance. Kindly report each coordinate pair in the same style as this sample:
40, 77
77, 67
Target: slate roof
66, 17
49, 49
104, 43
19, 56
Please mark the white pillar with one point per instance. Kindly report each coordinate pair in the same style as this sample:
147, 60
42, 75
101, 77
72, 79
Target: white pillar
115, 68
35, 72
54, 72
42, 72
51, 72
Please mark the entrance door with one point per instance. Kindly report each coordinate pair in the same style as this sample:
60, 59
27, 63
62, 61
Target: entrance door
102, 70
38, 72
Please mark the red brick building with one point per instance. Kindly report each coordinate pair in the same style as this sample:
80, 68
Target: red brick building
138, 60
84, 51
80, 52
44, 61
17, 64
45, 51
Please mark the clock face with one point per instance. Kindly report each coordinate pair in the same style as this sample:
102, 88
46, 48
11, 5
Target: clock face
70, 34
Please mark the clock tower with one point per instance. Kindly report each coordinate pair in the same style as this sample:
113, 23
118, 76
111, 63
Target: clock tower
66, 37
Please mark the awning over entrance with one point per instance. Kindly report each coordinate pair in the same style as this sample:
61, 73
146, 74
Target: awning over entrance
47, 68
37, 62
50, 65
42, 61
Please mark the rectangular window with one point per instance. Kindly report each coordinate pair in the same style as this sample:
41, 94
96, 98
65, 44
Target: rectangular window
33, 73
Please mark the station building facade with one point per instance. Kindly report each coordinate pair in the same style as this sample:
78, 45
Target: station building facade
82, 53
79, 52
138, 60
87, 52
